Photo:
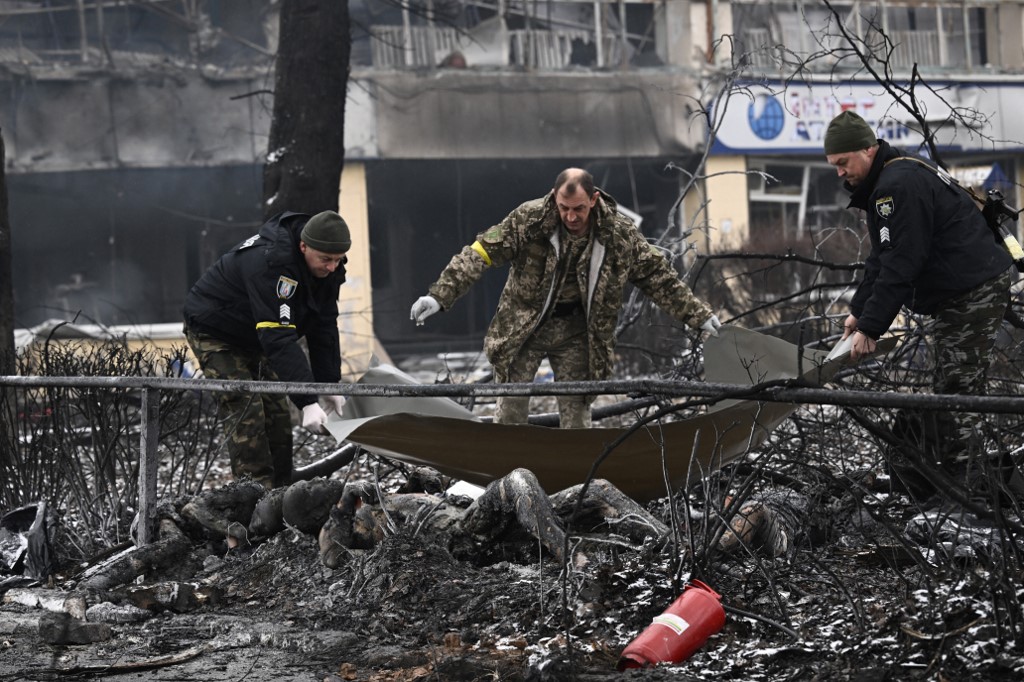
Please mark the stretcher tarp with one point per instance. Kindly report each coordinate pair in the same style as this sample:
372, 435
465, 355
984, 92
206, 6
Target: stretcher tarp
439, 433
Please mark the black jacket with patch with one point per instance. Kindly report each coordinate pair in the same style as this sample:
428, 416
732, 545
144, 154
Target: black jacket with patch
261, 297
929, 241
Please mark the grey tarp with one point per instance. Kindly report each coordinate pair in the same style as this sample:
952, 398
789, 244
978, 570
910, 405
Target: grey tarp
439, 433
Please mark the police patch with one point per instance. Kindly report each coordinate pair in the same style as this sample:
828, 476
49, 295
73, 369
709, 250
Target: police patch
286, 287
885, 207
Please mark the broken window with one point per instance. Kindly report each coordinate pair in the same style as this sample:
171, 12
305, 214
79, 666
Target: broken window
789, 197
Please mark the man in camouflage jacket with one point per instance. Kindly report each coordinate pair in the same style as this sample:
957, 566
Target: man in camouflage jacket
570, 255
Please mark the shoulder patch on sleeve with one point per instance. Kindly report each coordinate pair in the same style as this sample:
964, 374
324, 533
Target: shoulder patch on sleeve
494, 234
885, 207
286, 287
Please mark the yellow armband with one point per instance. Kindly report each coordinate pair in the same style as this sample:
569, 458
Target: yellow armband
479, 248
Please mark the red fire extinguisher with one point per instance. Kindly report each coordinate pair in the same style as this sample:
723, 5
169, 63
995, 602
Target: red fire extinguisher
679, 631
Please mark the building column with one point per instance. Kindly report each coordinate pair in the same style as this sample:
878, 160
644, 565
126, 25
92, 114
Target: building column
727, 204
355, 300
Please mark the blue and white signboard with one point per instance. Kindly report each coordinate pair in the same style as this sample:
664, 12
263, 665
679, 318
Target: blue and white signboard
778, 118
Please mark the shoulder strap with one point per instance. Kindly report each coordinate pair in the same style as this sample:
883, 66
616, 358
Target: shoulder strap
994, 213
941, 173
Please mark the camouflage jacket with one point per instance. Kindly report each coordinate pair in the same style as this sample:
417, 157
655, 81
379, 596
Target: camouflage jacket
527, 240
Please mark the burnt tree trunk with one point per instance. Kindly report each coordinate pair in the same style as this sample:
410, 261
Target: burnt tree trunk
6, 282
307, 144
7, 363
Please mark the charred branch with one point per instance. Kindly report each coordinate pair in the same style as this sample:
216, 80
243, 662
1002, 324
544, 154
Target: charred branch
128, 566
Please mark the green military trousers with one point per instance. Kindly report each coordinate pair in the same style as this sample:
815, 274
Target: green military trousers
965, 333
257, 427
563, 341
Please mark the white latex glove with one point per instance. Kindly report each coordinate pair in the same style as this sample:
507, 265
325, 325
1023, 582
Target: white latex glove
334, 402
424, 307
711, 325
314, 419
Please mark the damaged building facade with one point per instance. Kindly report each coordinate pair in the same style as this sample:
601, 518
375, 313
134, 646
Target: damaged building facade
136, 131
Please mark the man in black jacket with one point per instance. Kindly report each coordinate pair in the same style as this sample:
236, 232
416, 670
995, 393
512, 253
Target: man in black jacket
243, 320
931, 251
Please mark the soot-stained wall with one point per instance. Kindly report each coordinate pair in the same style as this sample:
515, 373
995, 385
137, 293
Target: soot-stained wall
123, 246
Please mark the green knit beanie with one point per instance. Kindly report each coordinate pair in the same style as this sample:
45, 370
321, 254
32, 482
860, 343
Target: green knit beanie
848, 132
327, 232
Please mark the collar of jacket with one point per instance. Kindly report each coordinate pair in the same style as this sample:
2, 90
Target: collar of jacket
282, 235
860, 196
607, 210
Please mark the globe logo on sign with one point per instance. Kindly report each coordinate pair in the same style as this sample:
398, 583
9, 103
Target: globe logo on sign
766, 117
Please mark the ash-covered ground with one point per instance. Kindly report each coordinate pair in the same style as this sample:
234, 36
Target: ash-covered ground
856, 607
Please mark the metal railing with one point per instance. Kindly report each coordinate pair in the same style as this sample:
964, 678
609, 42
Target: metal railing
413, 47
916, 47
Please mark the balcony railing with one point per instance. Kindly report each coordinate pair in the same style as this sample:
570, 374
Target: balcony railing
915, 47
939, 36
412, 47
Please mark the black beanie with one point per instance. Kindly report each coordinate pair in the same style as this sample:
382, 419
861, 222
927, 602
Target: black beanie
848, 132
327, 232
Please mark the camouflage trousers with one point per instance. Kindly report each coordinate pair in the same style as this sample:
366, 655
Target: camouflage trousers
926, 463
964, 332
563, 341
257, 427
